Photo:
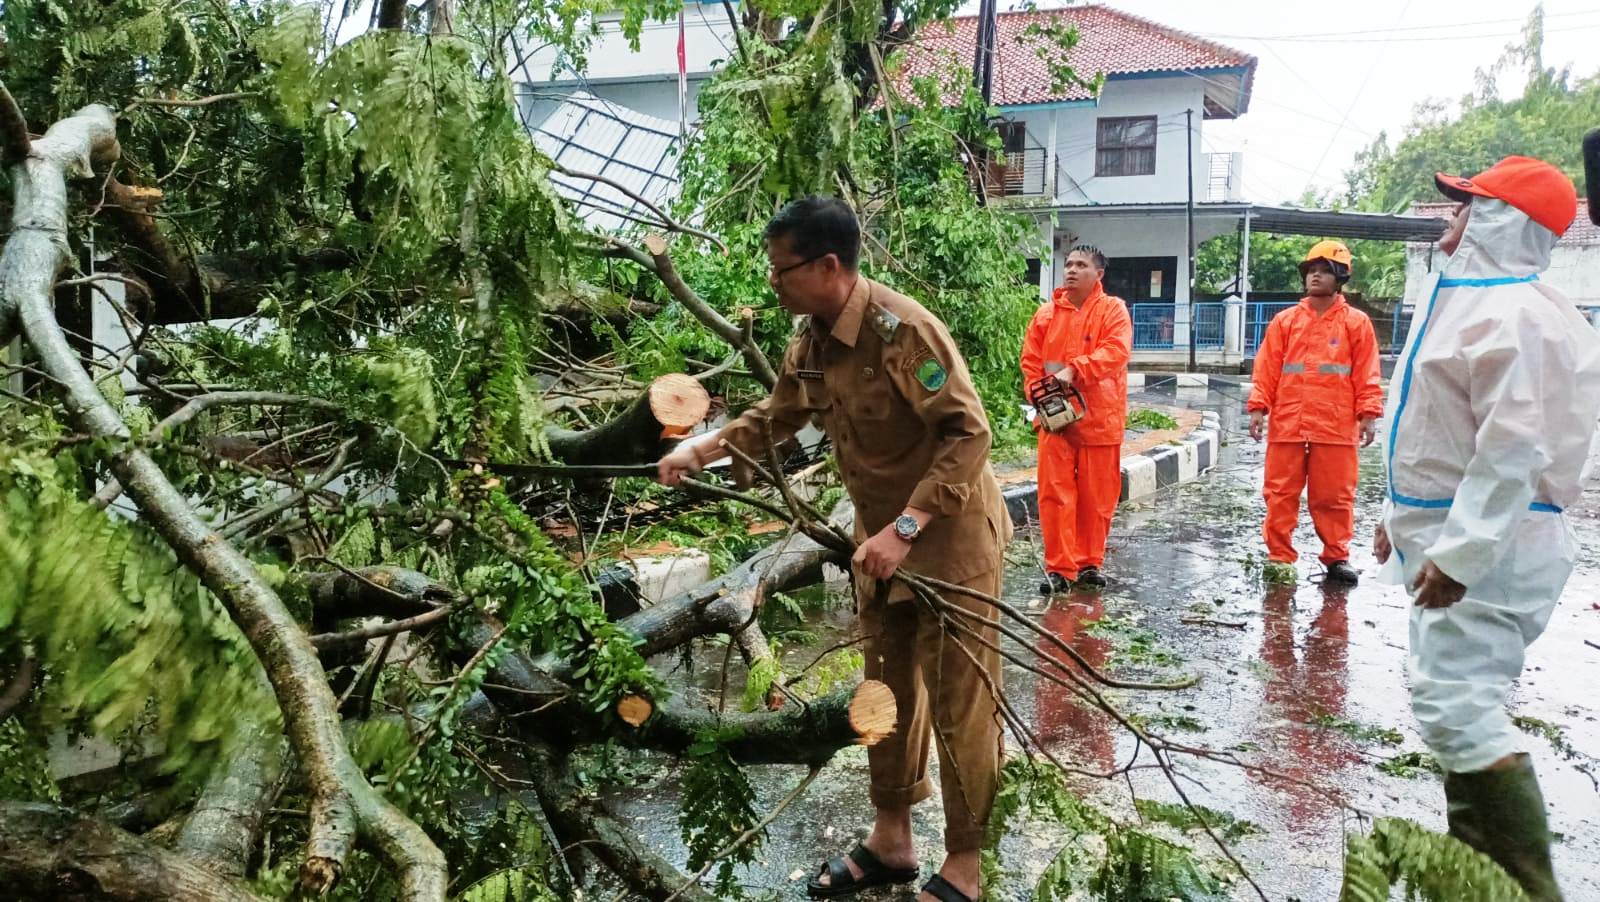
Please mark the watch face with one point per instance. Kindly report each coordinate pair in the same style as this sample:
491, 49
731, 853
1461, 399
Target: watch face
906, 526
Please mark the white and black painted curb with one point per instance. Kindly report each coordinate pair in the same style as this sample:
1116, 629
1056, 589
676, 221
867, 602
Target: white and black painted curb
1142, 474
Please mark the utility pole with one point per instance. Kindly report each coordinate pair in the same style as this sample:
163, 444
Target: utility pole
1188, 118
983, 81
983, 53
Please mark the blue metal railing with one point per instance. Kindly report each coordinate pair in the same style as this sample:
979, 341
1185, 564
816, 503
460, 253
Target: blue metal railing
1257, 315
1153, 326
1209, 329
1399, 326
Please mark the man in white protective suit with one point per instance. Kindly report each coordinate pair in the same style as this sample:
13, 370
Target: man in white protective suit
1490, 418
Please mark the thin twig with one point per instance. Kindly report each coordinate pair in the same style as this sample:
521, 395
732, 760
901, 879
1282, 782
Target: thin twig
196, 102
325, 641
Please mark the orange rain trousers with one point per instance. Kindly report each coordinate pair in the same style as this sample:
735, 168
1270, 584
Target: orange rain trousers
1079, 486
1327, 474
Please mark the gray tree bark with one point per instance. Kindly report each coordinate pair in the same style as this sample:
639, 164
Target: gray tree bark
342, 801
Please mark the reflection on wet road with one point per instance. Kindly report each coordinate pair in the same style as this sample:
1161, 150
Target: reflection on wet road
1305, 682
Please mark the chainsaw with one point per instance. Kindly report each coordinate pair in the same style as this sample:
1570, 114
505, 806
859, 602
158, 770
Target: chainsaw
1059, 406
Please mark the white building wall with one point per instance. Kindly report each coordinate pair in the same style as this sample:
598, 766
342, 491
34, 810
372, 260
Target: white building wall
1136, 235
646, 80
1574, 271
1164, 98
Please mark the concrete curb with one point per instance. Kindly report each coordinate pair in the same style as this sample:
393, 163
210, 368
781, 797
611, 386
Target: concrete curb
1142, 474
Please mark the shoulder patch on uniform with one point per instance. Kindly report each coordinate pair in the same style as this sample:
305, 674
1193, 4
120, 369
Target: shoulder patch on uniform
883, 322
930, 374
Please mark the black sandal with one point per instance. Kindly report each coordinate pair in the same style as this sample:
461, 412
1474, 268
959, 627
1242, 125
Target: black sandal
842, 883
944, 890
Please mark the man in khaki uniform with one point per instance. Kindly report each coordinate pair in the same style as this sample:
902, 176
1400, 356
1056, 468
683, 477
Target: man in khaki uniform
912, 440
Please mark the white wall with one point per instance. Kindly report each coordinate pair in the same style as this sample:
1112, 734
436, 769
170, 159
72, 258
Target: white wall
708, 40
1164, 98
1574, 271
1130, 234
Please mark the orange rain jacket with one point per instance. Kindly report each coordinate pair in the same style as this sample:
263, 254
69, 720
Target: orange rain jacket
1096, 340
1315, 376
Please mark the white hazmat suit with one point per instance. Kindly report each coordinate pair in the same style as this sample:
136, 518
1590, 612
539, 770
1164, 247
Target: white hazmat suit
1491, 414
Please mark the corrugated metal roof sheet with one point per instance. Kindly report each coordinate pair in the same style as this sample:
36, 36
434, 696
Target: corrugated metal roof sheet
636, 150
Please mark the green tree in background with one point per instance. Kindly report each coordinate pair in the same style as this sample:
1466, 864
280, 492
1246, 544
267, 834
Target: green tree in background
1547, 121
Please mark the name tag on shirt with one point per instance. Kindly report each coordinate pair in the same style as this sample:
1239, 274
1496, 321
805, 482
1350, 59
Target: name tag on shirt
809, 375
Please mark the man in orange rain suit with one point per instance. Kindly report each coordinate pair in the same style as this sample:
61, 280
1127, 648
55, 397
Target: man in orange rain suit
1316, 378
1082, 337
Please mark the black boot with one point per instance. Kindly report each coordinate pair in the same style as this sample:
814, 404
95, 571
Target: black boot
1501, 814
1055, 584
1091, 578
1342, 572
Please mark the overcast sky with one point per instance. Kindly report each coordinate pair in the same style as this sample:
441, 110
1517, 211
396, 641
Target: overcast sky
1331, 76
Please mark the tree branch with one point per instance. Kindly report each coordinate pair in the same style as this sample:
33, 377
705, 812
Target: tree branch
659, 262
671, 406
15, 143
392, 14
49, 852
342, 799
225, 824
578, 819
19, 687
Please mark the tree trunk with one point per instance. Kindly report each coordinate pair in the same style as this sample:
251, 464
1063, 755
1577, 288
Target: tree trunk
48, 852
812, 733
671, 406
728, 603
222, 830
579, 819
342, 801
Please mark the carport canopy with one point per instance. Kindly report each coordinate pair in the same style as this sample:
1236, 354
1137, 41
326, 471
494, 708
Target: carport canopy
1343, 224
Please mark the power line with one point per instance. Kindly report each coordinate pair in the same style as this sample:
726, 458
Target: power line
1435, 27
1422, 39
1371, 68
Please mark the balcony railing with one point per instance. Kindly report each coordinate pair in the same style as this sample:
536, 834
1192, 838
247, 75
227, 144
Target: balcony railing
1020, 173
1224, 178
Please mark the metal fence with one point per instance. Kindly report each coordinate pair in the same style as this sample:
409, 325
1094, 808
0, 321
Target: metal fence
1209, 330
1257, 315
1155, 326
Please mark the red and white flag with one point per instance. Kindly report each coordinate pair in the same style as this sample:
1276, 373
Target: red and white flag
683, 80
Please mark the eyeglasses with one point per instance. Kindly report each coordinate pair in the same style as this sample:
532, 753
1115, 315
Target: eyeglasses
779, 273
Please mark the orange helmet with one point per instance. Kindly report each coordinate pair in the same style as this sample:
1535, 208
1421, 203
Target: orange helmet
1334, 253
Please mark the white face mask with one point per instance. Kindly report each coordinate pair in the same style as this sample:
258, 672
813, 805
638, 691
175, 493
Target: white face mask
1500, 240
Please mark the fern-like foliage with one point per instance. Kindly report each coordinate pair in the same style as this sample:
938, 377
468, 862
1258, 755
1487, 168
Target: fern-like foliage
128, 636
1136, 866
1143, 867
718, 807
1431, 866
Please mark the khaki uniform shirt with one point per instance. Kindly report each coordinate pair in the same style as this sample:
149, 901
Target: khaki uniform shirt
908, 429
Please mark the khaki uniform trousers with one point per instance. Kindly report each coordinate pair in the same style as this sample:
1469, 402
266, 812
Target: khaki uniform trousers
940, 694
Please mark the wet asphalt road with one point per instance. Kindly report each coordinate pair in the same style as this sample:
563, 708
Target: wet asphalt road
1276, 668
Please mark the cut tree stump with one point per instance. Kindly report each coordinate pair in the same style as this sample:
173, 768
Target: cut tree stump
872, 712
863, 714
671, 406
679, 403
635, 710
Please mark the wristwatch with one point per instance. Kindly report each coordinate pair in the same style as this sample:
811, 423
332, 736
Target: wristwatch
907, 528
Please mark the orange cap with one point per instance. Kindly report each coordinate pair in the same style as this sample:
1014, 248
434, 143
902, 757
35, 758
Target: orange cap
1533, 186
